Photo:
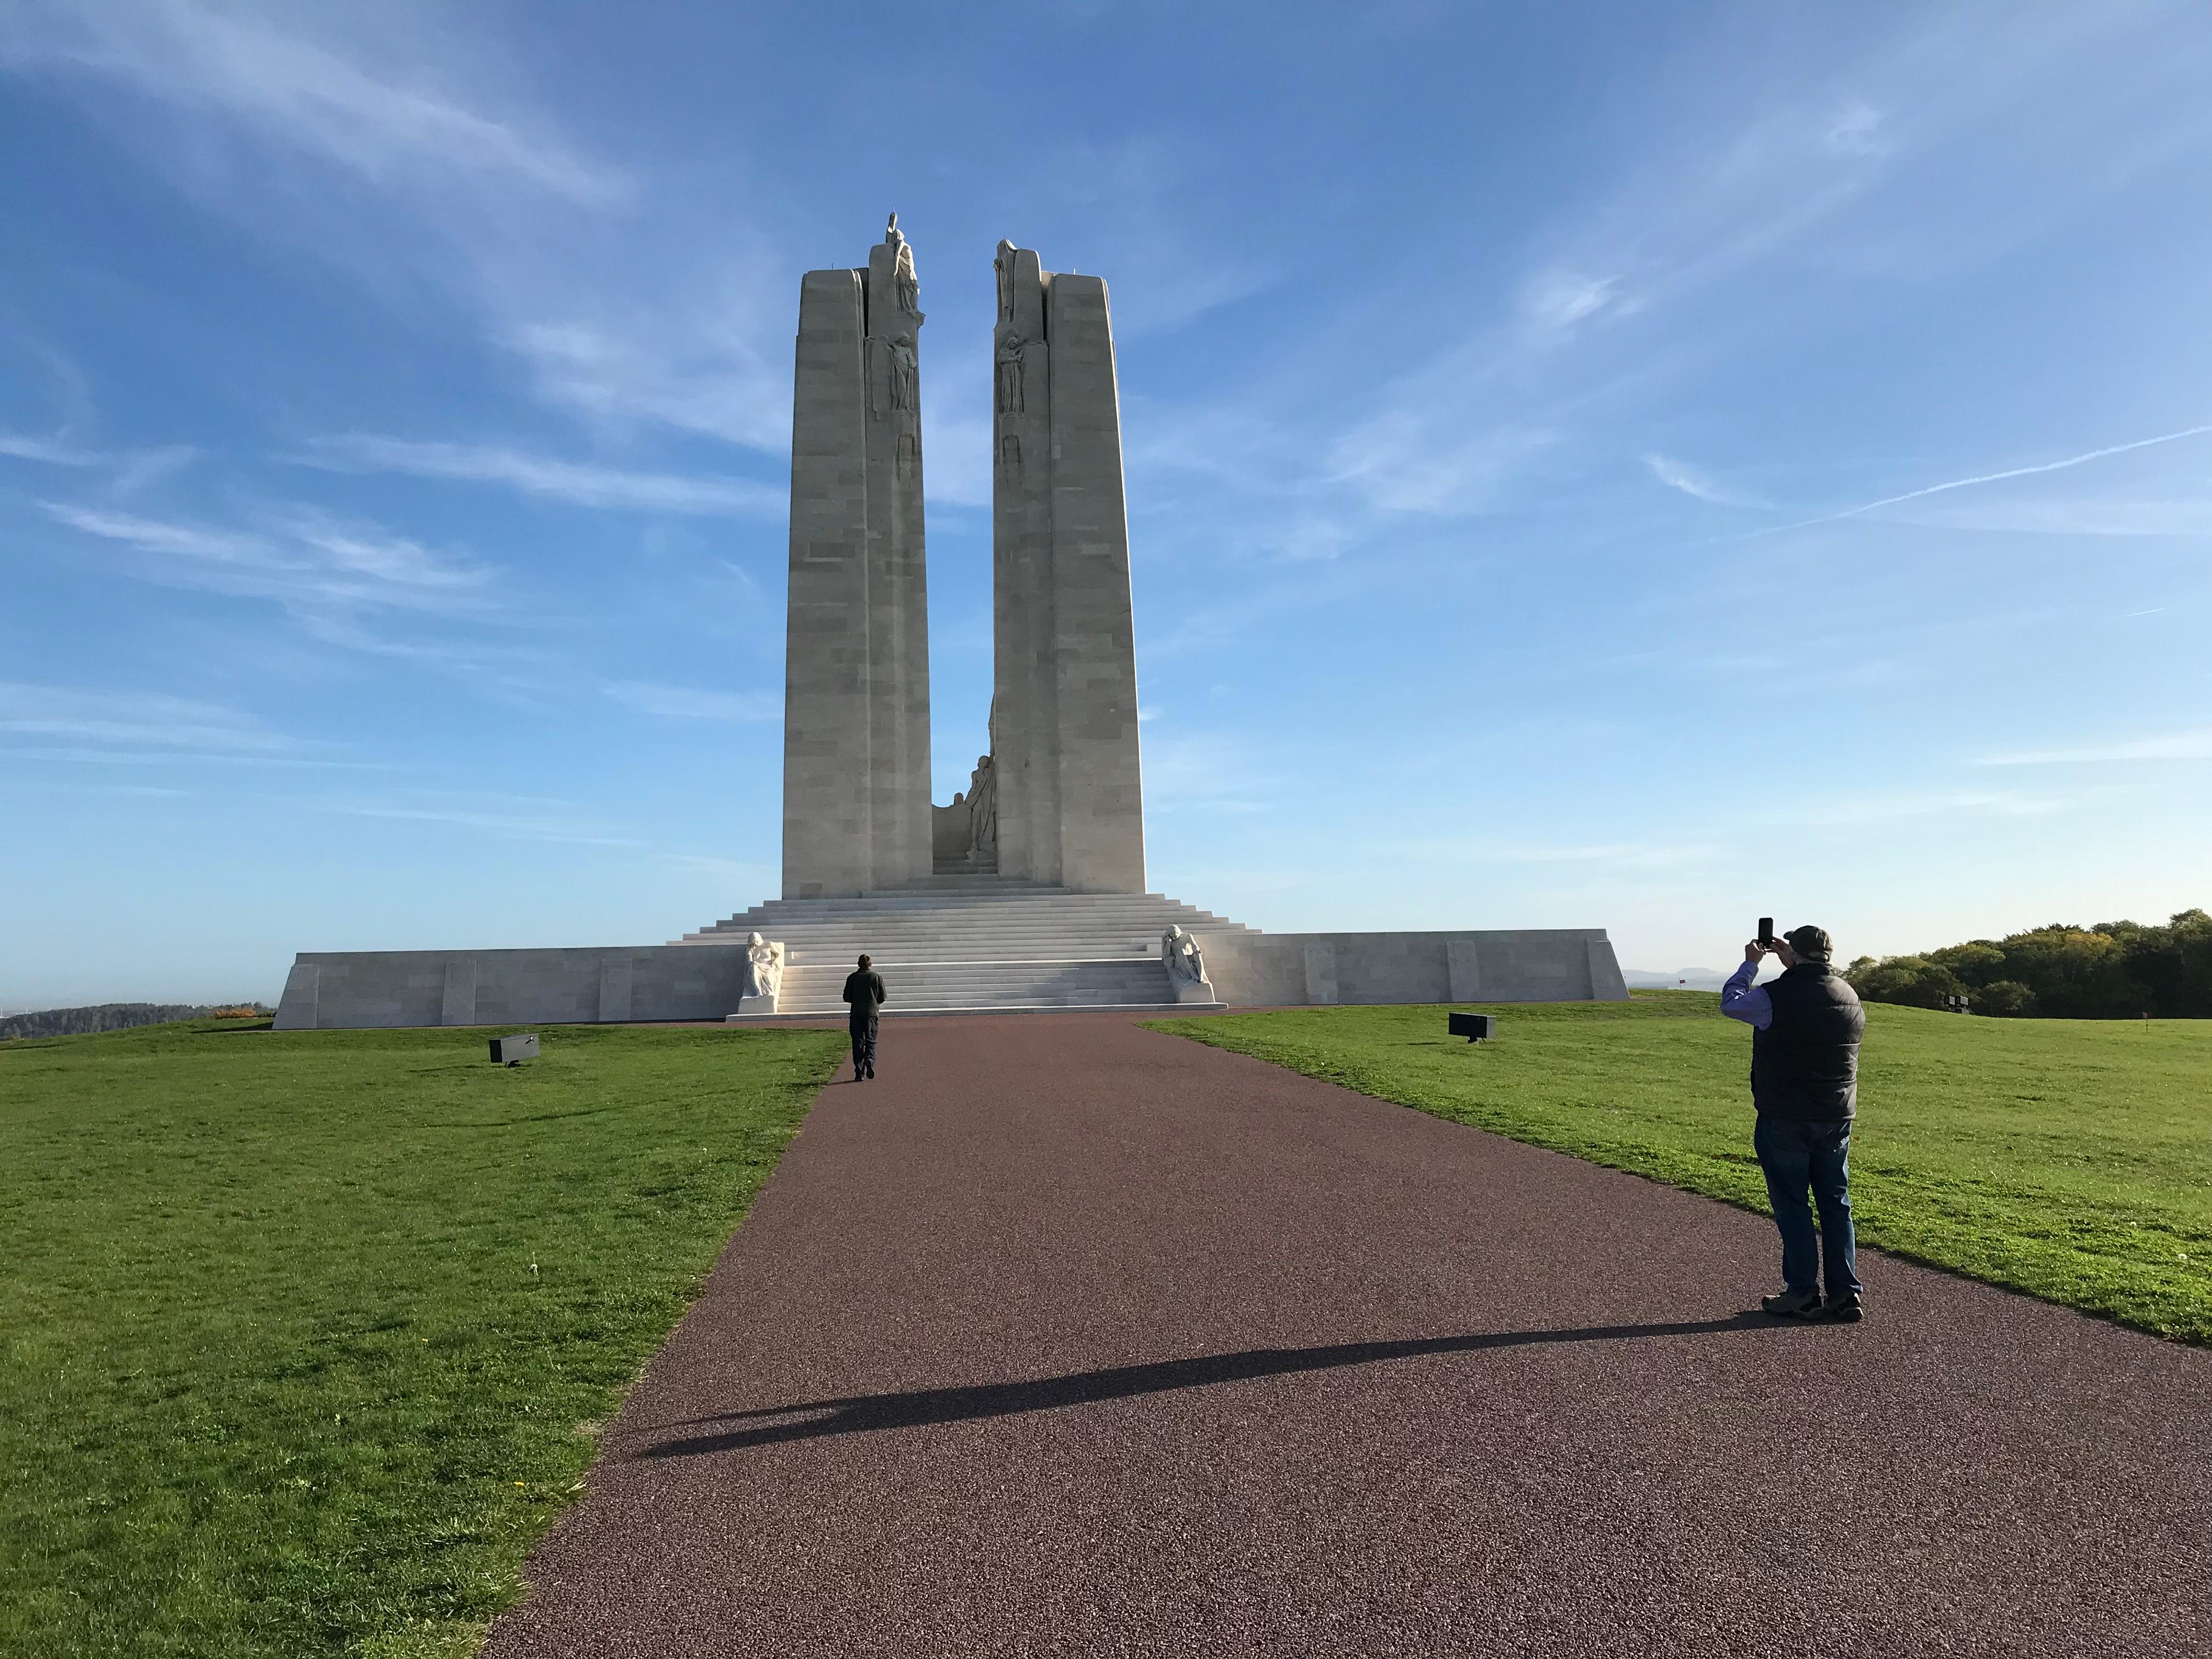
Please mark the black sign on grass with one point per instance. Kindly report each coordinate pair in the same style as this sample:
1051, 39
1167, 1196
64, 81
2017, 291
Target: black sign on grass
1475, 1028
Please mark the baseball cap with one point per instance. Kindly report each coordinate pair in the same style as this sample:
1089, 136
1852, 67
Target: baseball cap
1810, 943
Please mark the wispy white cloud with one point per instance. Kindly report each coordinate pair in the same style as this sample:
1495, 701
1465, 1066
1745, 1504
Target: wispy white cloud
692, 360
1402, 462
52, 451
131, 470
687, 703
1553, 302
1980, 478
203, 757
1857, 128
400, 144
142, 469
2195, 743
1882, 807
530, 825
1679, 474
299, 557
385, 124
578, 484
148, 720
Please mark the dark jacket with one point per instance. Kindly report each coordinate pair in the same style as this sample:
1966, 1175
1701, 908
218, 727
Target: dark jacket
864, 989
1805, 1064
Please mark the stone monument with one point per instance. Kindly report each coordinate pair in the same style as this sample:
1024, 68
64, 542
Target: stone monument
856, 669
1069, 791
1028, 890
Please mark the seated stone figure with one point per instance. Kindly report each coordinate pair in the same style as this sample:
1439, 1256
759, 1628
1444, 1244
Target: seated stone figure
1186, 967
763, 981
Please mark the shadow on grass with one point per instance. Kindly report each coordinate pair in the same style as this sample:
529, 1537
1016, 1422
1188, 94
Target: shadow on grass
863, 1414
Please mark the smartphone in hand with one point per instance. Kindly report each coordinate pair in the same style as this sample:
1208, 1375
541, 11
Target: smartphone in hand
1766, 930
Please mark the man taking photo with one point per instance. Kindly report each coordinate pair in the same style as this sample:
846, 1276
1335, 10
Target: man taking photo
1806, 1028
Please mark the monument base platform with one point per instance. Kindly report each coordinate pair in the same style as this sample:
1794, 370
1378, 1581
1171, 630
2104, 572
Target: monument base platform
948, 945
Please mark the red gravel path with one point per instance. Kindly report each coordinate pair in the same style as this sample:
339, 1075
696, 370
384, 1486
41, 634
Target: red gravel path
1069, 1338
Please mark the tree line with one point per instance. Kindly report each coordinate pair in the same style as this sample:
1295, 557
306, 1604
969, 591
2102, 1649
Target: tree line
2114, 970
112, 1017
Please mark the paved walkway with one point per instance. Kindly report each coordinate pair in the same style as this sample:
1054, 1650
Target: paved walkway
1067, 1338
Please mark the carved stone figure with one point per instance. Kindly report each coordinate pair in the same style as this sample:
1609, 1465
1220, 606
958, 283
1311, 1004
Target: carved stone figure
1005, 265
902, 372
903, 276
763, 982
1179, 954
1013, 391
983, 815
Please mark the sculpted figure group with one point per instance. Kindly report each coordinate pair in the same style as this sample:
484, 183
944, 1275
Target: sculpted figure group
763, 972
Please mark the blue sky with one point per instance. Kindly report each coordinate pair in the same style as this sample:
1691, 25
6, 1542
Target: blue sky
1588, 466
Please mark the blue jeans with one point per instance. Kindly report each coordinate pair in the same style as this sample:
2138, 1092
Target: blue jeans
1797, 1156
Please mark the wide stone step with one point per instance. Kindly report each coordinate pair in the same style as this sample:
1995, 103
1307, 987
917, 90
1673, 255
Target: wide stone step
919, 986
996, 923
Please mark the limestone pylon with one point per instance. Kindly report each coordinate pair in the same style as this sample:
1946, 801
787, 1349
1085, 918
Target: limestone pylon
856, 669
1070, 790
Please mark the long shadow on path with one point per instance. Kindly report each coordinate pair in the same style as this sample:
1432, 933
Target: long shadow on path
863, 1414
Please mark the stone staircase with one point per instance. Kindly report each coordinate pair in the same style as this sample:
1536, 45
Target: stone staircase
973, 942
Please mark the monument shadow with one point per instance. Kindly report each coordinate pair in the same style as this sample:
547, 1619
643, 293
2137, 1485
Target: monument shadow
867, 1413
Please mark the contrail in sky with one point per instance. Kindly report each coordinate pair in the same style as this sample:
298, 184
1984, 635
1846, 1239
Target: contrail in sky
1986, 477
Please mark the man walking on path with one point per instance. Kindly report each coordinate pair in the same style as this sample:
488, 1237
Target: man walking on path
1806, 1028
863, 990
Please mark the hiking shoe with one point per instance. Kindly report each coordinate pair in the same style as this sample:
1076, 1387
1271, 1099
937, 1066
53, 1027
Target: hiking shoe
1791, 1305
1844, 1309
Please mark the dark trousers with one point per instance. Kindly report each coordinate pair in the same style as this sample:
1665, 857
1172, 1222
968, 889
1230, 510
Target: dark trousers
1796, 1157
863, 1030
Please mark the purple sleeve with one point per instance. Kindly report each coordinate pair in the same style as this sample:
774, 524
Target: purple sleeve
1741, 1000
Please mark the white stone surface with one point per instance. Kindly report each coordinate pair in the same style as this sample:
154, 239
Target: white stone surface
1071, 793
1186, 967
856, 669
764, 976
1563, 964
1010, 948
897, 591
828, 833
1024, 709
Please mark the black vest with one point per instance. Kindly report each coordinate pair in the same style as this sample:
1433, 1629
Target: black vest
1805, 1064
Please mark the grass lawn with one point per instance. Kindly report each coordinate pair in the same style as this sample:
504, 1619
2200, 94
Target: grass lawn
2071, 1159
303, 1337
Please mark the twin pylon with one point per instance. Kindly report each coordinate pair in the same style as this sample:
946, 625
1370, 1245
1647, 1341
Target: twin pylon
1065, 803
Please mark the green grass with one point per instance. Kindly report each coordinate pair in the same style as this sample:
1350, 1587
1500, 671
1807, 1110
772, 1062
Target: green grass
304, 1338
2071, 1159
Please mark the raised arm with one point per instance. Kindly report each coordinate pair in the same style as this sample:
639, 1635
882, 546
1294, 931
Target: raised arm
1741, 1000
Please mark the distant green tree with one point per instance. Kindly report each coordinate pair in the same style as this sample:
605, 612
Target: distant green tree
1913, 980
2114, 970
2007, 996
1978, 963
2077, 973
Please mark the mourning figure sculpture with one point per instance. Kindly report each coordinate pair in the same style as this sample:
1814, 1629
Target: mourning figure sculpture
1186, 966
763, 982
